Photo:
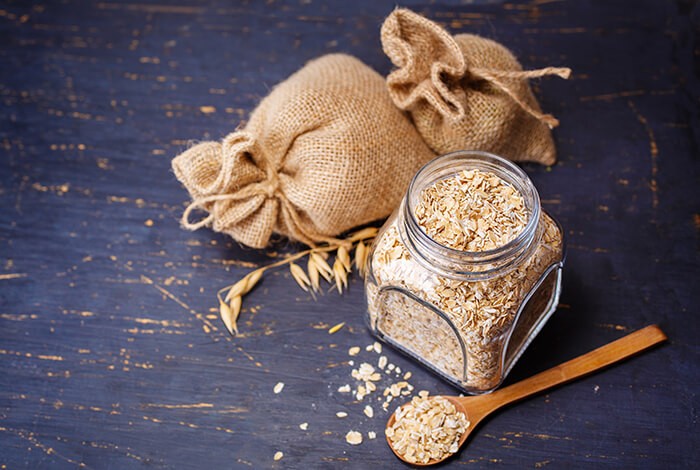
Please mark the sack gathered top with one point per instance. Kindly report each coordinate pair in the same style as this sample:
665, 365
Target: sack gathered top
465, 91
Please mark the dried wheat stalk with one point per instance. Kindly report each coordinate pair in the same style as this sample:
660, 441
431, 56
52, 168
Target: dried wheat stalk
309, 280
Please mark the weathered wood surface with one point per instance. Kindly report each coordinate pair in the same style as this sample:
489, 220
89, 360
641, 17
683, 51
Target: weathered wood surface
111, 353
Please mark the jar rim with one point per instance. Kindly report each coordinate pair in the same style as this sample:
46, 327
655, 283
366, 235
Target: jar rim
450, 164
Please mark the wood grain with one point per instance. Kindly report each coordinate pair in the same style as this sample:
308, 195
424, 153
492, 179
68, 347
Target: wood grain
111, 351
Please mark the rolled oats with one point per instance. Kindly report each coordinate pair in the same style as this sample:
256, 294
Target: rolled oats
426, 429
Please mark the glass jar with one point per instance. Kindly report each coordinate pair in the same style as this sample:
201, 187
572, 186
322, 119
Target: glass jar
467, 316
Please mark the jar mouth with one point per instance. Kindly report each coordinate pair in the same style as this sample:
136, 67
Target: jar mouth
474, 262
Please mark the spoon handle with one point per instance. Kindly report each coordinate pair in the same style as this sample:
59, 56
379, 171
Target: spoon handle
595, 360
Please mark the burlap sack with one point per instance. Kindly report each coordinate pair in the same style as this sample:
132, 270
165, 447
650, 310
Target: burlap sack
324, 152
466, 92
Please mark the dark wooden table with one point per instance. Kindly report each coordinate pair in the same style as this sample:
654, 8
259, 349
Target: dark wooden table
111, 351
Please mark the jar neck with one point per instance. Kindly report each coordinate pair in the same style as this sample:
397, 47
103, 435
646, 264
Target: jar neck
468, 265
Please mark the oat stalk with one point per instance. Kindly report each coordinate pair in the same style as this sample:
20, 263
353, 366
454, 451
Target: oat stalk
309, 280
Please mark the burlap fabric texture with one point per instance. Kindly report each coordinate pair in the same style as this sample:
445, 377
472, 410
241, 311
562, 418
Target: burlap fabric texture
465, 91
324, 152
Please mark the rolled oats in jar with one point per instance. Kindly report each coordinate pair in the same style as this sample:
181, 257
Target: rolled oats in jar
467, 270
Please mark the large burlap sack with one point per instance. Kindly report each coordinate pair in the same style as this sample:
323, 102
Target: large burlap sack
324, 152
466, 92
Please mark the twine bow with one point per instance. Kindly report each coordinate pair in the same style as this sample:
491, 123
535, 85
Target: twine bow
431, 64
233, 148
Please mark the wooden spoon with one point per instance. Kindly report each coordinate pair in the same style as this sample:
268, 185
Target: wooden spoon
476, 408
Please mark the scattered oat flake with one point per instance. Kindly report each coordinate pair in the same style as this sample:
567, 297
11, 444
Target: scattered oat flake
207, 109
341, 414
344, 388
377, 347
354, 351
278, 455
365, 372
304, 426
382, 362
278, 388
336, 328
353, 438
369, 412
372, 435
407, 375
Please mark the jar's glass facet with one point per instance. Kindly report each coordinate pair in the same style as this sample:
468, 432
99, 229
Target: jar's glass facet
467, 316
401, 312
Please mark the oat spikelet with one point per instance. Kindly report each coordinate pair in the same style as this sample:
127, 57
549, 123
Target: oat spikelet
344, 257
253, 279
314, 275
322, 266
361, 258
235, 307
300, 276
237, 289
245, 285
364, 234
226, 316
341, 275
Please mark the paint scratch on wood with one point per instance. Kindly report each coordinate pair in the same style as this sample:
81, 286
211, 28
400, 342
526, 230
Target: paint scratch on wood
612, 326
653, 151
5, 277
172, 9
207, 325
48, 450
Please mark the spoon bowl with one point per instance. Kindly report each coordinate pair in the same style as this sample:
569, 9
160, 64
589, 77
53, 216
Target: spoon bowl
476, 408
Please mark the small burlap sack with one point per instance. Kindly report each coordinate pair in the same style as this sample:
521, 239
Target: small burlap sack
324, 152
466, 92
